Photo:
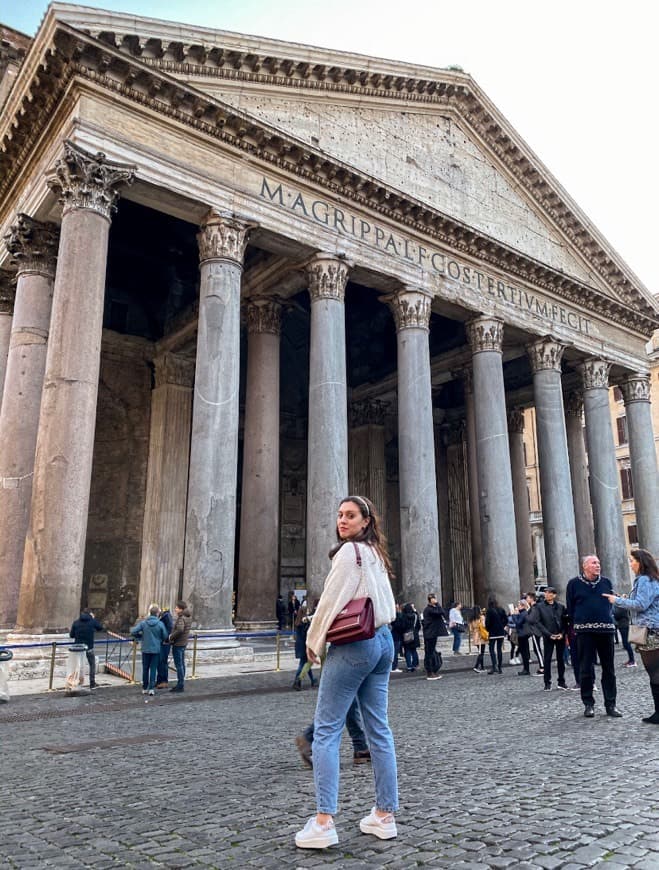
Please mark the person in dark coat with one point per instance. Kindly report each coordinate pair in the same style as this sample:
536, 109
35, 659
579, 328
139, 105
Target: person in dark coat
281, 612
293, 607
434, 626
523, 636
83, 631
411, 625
163, 663
397, 636
496, 622
302, 621
179, 640
552, 622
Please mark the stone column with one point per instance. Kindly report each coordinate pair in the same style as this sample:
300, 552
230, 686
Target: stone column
367, 468
576, 448
479, 581
442, 431
55, 544
210, 534
327, 468
33, 246
521, 499
258, 567
419, 527
7, 292
555, 485
604, 489
496, 505
643, 456
163, 538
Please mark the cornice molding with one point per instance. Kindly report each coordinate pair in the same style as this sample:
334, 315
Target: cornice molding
142, 80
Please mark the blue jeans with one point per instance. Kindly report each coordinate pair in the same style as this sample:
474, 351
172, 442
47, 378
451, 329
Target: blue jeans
411, 657
178, 654
355, 726
149, 669
355, 670
457, 639
163, 664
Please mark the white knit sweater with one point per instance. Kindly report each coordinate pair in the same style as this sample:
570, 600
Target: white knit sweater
346, 581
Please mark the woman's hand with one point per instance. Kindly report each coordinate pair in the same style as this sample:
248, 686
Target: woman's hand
611, 598
311, 655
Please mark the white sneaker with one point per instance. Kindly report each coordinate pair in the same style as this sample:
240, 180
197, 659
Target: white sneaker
144, 692
151, 692
396, 671
384, 828
434, 677
313, 836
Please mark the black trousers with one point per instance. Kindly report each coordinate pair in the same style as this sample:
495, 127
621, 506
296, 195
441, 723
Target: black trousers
430, 658
550, 646
590, 646
524, 652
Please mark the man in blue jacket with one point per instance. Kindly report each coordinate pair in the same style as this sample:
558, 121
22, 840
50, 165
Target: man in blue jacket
591, 616
82, 631
153, 634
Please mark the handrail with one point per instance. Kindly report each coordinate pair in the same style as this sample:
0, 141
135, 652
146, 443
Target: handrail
118, 639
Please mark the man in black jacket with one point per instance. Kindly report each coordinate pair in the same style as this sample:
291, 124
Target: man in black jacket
552, 622
434, 625
591, 616
82, 631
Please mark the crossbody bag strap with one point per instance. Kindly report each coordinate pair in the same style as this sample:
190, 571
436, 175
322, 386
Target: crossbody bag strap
358, 555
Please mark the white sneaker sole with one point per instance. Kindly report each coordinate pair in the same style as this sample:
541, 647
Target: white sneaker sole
329, 839
384, 832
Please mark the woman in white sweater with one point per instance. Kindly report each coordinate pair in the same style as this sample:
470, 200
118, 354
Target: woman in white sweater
359, 669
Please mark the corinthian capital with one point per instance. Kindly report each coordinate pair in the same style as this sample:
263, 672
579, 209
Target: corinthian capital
89, 181
222, 237
411, 309
516, 420
33, 245
264, 315
636, 388
328, 277
545, 354
485, 333
7, 291
573, 404
594, 373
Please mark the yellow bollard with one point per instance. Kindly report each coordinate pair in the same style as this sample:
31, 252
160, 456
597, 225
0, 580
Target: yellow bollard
278, 649
52, 667
134, 663
193, 676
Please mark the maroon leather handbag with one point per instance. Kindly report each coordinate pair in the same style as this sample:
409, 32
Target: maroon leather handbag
356, 621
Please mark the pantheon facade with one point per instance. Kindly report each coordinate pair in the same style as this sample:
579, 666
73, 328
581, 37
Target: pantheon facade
242, 278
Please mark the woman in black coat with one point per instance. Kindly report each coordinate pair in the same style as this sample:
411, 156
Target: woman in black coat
496, 622
411, 625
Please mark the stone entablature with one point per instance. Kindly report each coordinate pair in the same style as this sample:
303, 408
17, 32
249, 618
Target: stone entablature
78, 55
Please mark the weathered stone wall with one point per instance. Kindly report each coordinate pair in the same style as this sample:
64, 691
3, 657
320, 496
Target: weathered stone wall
116, 509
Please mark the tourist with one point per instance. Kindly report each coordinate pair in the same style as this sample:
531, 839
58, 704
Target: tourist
535, 636
281, 611
163, 663
478, 636
293, 607
82, 631
411, 625
153, 634
456, 625
552, 622
359, 669
433, 627
591, 615
361, 754
512, 635
523, 636
179, 640
644, 603
302, 621
621, 619
496, 623
397, 637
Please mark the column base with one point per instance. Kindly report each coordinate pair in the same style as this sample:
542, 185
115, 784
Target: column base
34, 662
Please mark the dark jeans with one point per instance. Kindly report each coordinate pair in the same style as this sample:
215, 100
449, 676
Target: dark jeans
178, 654
355, 726
163, 666
624, 636
550, 646
592, 645
431, 658
498, 660
479, 659
149, 669
91, 658
525, 652
397, 650
411, 657
457, 638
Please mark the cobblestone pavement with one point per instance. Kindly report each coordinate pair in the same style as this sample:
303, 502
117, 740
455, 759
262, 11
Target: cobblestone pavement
494, 772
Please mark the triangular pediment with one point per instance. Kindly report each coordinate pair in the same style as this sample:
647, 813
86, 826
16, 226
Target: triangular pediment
426, 139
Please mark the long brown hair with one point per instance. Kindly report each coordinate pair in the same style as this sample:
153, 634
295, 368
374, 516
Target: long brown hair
647, 562
371, 534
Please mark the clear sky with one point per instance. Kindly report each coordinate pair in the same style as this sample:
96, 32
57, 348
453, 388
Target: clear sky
578, 79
